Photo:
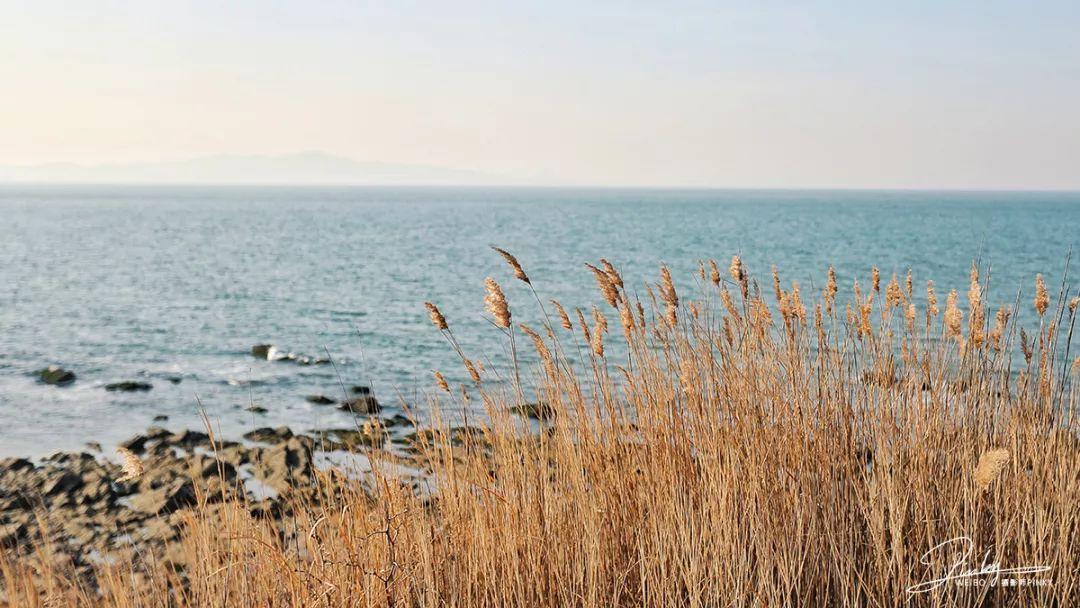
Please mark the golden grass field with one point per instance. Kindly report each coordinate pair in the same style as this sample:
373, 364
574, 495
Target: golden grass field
721, 440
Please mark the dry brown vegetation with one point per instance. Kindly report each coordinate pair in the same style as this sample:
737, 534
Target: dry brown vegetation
738, 444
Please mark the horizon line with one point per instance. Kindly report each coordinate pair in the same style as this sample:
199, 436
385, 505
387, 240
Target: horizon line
527, 186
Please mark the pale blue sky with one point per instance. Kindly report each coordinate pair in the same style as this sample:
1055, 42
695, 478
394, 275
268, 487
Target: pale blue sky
817, 94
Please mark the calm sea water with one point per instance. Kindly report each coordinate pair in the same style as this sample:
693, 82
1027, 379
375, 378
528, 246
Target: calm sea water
154, 284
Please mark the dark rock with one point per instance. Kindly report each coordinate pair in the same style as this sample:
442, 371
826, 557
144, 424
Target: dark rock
56, 376
269, 435
319, 399
261, 351
129, 386
361, 390
536, 411
11, 534
348, 439
174, 379
218, 468
62, 483
361, 405
286, 465
165, 499
157, 432
136, 444
188, 439
160, 418
395, 421
15, 464
93, 445
256, 409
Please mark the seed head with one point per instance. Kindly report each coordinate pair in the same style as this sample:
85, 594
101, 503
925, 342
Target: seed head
1042, 300
496, 303
991, 464
519, 273
606, 285
440, 381
130, 464
437, 318
564, 319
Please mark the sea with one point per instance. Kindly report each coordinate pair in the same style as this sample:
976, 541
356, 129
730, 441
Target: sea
172, 286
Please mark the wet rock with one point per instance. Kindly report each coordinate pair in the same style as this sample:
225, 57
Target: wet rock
174, 379
536, 411
15, 464
285, 466
12, 533
160, 418
158, 432
361, 405
56, 376
319, 399
256, 409
349, 439
188, 439
261, 351
62, 483
397, 420
361, 390
269, 435
217, 468
136, 444
129, 386
167, 499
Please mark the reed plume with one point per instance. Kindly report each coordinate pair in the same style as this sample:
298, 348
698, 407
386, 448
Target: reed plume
496, 303
606, 285
668, 296
519, 273
130, 464
953, 317
739, 275
613, 274
440, 381
471, 368
1042, 299
830, 290
991, 464
437, 318
564, 319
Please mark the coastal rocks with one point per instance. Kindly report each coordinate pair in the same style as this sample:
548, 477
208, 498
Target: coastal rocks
56, 376
319, 399
361, 405
286, 466
129, 386
269, 352
536, 411
167, 499
368, 436
269, 435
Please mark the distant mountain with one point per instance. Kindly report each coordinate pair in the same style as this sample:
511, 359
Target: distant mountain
307, 168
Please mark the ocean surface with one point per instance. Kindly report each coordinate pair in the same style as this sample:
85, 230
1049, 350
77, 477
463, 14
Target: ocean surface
174, 285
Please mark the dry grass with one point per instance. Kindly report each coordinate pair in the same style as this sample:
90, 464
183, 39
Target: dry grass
730, 451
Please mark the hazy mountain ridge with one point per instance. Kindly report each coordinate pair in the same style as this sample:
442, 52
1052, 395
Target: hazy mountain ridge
301, 168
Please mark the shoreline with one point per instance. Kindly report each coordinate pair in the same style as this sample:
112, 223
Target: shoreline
80, 503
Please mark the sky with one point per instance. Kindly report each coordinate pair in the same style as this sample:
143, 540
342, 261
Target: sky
940, 94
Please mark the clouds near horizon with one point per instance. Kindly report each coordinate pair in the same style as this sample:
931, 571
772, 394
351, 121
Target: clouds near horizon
822, 94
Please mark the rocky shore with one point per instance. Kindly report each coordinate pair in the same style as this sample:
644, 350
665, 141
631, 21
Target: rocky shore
81, 505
